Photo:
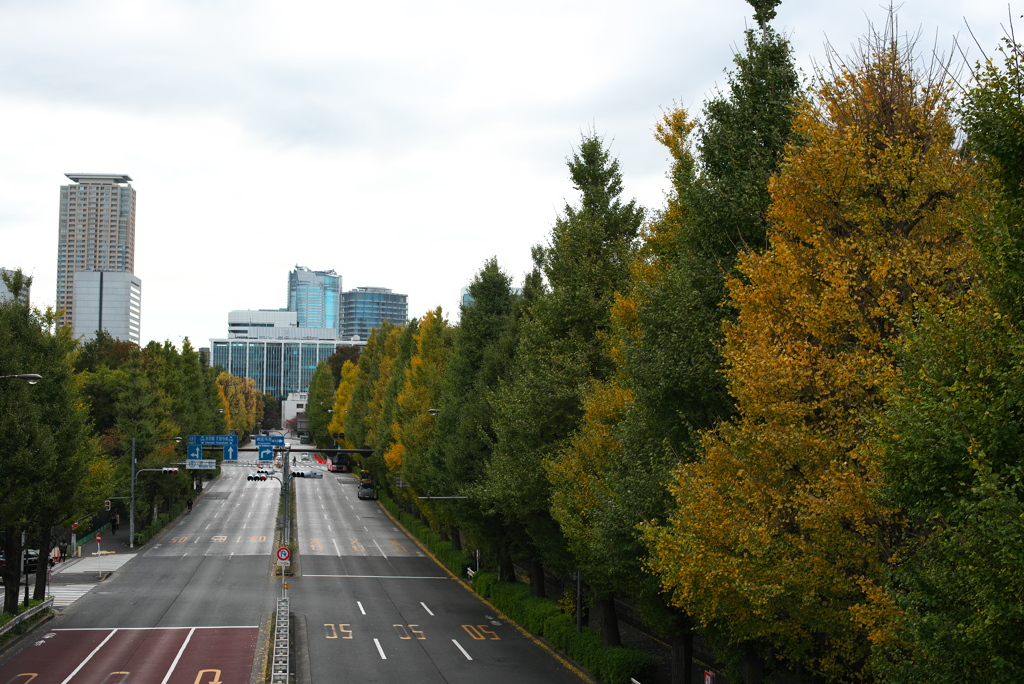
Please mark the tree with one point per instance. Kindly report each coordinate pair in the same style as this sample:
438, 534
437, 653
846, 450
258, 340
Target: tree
342, 400
560, 350
244, 405
319, 404
951, 437
951, 441
777, 537
384, 409
993, 117
271, 412
357, 417
51, 467
481, 354
419, 398
340, 357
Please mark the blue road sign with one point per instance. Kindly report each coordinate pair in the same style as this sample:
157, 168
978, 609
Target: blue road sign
195, 451
272, 440
214, 440
231, 452
266, 452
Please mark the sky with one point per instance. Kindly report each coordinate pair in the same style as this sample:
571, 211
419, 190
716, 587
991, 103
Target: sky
400, 143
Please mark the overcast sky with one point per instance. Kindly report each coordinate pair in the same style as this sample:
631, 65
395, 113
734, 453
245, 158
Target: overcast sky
400, 143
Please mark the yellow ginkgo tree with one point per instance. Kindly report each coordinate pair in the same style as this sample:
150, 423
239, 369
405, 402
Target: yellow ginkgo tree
776, 538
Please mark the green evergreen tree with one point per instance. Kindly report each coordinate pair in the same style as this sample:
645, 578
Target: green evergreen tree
559, 350
320, 404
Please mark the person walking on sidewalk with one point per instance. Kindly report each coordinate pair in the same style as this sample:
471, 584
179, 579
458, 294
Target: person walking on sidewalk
114, 522
190, 505
63, 546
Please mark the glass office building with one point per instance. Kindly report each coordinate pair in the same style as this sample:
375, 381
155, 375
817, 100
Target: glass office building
365, 308
276, 366
315, 297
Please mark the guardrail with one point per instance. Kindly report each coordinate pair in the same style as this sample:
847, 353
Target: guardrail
26, 615
279, 672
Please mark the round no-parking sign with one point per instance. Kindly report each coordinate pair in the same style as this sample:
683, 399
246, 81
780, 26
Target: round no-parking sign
283, 554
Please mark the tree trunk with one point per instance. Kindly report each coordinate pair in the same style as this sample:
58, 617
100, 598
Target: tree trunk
45, 546
609, 621
682, 658
12, 569
506, 571
751, 664
537, 579
456, 539
442, 533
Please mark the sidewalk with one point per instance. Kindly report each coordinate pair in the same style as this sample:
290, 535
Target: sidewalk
110, 554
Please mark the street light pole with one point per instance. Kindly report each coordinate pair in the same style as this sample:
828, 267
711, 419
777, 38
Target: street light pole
30, 378
287, 492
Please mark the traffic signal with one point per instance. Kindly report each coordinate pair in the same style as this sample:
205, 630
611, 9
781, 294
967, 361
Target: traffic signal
107, 504
170, 471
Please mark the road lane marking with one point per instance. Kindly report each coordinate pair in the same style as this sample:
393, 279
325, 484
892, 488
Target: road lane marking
378, 548
360, 604
384, 657
89, 657
181, 650
425, 608
468, 657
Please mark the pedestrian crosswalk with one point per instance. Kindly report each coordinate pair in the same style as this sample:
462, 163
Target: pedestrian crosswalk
66, 594
104, 563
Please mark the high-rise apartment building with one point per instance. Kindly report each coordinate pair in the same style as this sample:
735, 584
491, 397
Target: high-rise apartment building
365, 308
96, 233
315, 297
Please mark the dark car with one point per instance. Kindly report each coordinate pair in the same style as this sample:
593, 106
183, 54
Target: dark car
31, 561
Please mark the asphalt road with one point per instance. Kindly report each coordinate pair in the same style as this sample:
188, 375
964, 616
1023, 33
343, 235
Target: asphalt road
186, 609
368, 604
374, 608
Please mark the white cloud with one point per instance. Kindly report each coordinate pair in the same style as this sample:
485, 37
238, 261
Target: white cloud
400, 143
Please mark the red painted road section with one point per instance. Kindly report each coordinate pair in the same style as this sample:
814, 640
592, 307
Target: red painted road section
207, 655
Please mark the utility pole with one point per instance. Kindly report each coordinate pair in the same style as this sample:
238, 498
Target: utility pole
286, 485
